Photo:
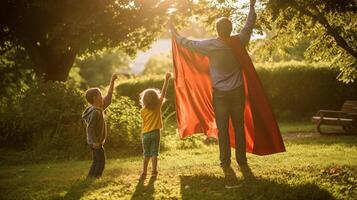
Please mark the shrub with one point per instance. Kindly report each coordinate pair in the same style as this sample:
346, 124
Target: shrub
296, 90
46, 122
159, 64
133, 87
124, 125
46, 119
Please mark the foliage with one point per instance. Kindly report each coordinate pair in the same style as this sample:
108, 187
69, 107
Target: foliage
271, 50
133, 87
15, 75
97, 69
159, 65
124, 125
329, 25
299, 91
326, 28
47, 118
53, 33
296, 89
45, 121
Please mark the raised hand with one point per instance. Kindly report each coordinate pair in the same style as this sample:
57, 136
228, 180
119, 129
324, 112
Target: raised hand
171, 26
97, 145
114, 77
252, 2
168, 75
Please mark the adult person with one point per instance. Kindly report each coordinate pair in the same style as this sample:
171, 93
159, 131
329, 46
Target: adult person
227, 82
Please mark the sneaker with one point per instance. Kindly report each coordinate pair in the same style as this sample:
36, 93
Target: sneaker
143, 176
154, 174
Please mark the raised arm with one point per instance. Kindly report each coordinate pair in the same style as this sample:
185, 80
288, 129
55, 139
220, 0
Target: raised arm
201, 47
247, 30
108, 98
164, 87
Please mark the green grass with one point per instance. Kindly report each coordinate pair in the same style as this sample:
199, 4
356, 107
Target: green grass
297, 126
314, 167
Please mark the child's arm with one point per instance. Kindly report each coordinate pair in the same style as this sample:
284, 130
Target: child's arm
164, 87
108, 98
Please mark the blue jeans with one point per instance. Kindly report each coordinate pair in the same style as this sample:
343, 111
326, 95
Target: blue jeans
98, 164
230, 104
151, 143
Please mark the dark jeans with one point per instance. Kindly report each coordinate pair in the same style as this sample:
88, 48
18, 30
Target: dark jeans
230, 104
98, 164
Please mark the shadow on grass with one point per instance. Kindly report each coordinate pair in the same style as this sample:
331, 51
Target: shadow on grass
144, 191
230, 177
230, 187
77, 190
83, 185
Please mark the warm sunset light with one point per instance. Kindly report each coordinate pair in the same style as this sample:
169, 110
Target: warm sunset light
178, 99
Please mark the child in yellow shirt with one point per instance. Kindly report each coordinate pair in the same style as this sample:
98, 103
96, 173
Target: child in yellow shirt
151, 101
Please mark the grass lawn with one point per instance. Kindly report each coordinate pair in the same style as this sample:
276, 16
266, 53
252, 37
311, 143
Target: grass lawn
314, 167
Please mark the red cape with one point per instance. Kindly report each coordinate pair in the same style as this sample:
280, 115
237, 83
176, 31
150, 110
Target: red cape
193, 89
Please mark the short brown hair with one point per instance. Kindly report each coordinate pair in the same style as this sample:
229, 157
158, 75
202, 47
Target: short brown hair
224, 27
150, 98
91, 93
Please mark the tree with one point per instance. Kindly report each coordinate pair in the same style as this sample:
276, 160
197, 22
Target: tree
159, 64
330, 25
14, 76
270, 50
327, 26
97, 69
54, 32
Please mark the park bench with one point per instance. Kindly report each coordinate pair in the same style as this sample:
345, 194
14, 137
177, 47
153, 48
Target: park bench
346, 118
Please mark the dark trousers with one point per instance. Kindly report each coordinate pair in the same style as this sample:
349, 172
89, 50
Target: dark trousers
98, 164
230, 104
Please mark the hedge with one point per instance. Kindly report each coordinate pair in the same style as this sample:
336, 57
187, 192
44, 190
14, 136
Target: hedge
46, 123
296, 91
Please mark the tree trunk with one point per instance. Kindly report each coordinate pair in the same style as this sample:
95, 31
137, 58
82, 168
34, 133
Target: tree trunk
57, 68
51, 61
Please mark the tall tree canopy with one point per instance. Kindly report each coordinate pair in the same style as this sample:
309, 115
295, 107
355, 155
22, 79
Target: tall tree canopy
54, 32
330, 25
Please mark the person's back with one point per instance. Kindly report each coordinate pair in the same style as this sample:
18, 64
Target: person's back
225, 69
96, 127
227, 81
152, 119
151, 101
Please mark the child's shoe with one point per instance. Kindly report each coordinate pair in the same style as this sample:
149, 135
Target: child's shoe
154, 174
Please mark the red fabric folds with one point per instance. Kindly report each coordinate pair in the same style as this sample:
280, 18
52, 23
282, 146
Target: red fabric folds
195, 114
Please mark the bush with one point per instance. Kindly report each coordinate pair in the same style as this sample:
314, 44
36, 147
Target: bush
124, 125
133, 87
159, 64
46, 123
296, 90
46, 120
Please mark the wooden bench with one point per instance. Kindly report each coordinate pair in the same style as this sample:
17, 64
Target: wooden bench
347, 117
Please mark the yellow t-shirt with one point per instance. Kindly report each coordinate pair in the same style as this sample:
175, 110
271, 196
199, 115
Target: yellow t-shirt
151, 119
